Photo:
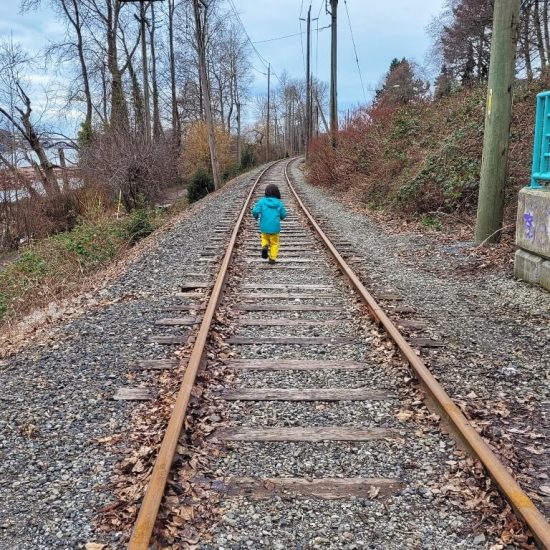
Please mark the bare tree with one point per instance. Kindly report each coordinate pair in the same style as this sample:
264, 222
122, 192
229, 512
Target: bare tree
15, 113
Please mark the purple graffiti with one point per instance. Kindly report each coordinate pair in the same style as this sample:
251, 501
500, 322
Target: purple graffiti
529, 225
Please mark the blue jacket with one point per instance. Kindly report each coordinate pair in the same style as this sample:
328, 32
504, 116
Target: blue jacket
270, 211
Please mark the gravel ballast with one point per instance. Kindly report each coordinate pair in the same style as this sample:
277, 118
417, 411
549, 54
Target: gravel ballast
416, 453
496, 357
56, 400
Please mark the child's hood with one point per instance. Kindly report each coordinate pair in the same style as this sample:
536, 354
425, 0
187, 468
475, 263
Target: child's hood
271, 202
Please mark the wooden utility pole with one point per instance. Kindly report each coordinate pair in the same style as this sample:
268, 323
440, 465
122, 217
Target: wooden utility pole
308, 82
333, 70
268, 113
239, 152
200, 32
322, 114
145, 70
498, 117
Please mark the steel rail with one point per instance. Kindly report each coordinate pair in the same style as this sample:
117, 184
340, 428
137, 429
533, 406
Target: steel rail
145, 522
459, 424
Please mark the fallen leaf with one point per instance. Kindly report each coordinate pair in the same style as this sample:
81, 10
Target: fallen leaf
534, 450
374, 492
404, 415
186, 512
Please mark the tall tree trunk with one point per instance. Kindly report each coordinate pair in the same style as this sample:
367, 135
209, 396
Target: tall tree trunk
44, 167
64, 173
74, 19
540, 40
119, 109
176, 125
222, 109
142, 22
157, 127
137, 97
525, 47
545, 26
104, 94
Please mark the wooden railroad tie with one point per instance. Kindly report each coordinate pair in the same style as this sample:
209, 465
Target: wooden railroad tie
185, 307
317, 394
321, 433
133, 394
278, 286
292, 364
426, 343
168, 340
179, 321
290, 340
283, 260
288, 296
286, 307
411, 324
247, 321
295, 487
190, 295
155, 364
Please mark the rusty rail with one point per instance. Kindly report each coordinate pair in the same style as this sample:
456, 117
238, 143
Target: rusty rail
143, 528
459, 424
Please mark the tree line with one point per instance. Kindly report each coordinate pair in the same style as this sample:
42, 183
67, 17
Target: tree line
130, 74
461, 47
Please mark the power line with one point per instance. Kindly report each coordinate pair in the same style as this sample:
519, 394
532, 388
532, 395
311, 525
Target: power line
287, 36
260, 56
355, 50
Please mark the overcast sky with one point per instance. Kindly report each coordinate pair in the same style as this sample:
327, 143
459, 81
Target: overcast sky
382, 30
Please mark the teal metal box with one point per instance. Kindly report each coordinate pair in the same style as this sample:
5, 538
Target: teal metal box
540, 170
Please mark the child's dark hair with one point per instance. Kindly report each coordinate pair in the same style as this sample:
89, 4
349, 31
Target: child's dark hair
272, 191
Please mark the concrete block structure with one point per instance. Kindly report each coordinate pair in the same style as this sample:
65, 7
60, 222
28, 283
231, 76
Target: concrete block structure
532, 261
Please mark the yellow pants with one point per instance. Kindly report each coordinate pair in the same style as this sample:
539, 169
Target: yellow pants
272, 241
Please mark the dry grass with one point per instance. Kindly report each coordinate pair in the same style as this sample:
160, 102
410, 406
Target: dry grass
72, 296
52, 267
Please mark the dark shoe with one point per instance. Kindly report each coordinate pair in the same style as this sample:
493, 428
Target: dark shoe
271, 261
265, 251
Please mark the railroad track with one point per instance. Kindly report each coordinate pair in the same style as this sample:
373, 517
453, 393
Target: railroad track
303, 350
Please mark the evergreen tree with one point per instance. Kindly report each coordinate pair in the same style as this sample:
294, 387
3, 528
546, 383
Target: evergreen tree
443, 83
401, 84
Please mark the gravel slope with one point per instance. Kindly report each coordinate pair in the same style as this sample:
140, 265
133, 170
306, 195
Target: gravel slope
496, 361
56, 394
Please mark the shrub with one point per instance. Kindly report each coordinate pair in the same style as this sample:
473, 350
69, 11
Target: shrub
195, 151
231, 172
31, 263
3, 306
425, 157
90, 244
200, 185
129, 166
431, 221
140, 224
248, 159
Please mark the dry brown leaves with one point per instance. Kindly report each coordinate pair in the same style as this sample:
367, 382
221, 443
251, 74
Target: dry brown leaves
189, 504
464, 483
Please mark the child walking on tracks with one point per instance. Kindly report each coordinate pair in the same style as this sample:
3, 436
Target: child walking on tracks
270, 210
